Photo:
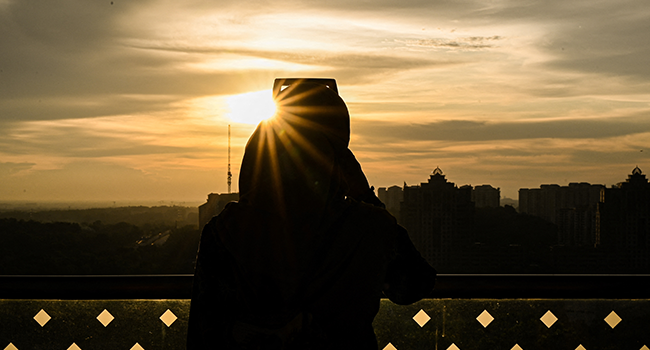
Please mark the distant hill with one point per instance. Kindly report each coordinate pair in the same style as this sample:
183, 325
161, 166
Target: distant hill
509, 201
177, 216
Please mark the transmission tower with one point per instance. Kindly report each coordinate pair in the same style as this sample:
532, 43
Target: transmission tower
229, 173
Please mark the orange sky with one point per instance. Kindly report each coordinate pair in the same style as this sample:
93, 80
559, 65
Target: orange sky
129, 101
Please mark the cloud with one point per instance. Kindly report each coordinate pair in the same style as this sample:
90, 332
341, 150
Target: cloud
10, 168
483, 89
99, 181
463, 43
107, 137
75, 59
471, 130
352, 68
596, 38
70, 59
315, 58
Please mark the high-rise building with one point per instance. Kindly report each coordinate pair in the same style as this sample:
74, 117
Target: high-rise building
572, 208
391, 197
624, 217
486, 196
215, 204
439, 217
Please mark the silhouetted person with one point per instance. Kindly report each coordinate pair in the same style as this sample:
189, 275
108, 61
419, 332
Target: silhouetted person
300, 262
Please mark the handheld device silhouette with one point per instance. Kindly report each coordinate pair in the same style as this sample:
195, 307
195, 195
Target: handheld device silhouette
282, 83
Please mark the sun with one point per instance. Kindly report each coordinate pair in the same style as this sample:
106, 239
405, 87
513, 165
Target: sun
251, 107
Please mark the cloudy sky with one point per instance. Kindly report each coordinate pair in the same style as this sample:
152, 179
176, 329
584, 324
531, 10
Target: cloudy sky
130, 100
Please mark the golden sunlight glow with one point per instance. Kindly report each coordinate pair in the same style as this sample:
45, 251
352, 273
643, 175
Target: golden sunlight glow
251, 107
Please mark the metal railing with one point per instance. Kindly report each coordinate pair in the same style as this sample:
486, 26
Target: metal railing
465, 312
497, 286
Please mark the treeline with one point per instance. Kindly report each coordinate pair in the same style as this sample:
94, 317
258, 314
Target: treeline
503, 241
136, 215
30, 247
504, 226
511, 242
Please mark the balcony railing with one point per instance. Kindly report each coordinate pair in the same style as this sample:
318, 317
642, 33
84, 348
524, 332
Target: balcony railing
509, 312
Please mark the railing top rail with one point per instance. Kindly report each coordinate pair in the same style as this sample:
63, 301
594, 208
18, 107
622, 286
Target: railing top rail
500, 286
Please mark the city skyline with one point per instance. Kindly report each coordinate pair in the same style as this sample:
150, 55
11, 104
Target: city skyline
154, 203
121, 101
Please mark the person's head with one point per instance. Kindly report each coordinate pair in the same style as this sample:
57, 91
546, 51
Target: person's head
291, 162
315, 106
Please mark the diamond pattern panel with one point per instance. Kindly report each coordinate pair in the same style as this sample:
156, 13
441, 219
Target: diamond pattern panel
513, 321
548, 319
421, 318
485, 318
168, 318
105, 318
42, 317
92, 324
516, 317
613, 319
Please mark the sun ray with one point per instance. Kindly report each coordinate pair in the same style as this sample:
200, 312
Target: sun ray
275, 170
291, 135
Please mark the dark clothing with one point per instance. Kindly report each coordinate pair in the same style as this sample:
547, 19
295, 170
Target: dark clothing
336, 282
296, 263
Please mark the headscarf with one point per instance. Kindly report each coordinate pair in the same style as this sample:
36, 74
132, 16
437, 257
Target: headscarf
292, 195
261, 258
293, 164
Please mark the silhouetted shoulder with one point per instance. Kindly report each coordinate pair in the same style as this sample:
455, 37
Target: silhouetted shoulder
408, 276
372, 214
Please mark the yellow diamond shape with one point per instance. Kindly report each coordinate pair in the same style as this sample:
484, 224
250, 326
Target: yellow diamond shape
580, 347
485, 318
42, 317
644, 348
612, 319
390, 347
421, 318
105, 318
74, 347
11, 347
453, 347
516, 347
168, 318
548, 319
137, 347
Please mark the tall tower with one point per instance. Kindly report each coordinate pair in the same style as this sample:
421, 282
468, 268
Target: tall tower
217, 201
229, 173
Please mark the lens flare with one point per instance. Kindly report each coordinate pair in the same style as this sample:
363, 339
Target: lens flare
251, 107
